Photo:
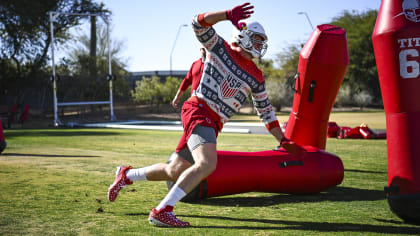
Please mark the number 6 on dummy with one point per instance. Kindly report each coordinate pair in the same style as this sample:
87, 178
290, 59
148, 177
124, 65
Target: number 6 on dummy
396, 42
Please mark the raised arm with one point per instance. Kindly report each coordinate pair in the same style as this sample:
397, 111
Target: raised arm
234, 15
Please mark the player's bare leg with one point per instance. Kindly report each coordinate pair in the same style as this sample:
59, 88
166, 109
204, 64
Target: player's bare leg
205, 158
167, 172
157, 172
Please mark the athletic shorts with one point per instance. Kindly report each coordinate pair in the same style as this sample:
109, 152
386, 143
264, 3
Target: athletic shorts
199, 136
192, 115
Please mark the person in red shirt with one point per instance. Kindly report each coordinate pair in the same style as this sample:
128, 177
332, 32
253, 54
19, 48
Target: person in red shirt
229, 76
191, 79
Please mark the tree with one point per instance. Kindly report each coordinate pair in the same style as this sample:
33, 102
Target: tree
288, 60
268, 69
277, 84
80, 63
25, 38
279, 94
154, 92
169, 89
344, 96
147, 91
361, 73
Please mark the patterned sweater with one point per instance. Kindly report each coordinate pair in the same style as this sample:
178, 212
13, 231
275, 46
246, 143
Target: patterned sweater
228, 79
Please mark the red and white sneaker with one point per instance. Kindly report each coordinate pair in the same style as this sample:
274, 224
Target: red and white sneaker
120, 181
166, 218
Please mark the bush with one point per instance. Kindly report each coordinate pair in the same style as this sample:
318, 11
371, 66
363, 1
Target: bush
146, 91
169, 89
344, 96
279, 93
152, 91
363, 99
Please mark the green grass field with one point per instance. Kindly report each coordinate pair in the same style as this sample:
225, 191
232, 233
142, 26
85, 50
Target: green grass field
374, 118
55, 181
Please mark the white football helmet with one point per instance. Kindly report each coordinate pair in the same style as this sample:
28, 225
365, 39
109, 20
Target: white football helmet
245, 38
411, 9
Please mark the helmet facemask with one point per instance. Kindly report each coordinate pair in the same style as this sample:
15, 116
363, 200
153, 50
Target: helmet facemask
258, 47
250, 40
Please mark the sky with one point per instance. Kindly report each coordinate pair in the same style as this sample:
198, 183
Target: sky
148, 29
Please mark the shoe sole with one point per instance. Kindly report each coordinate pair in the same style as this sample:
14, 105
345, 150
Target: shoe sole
158, 223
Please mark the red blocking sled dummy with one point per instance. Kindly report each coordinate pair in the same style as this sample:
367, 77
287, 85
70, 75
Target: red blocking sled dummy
277, 171
322, 64
273, 171
396, 41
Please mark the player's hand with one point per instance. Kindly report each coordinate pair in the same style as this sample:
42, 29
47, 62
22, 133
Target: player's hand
239, 13
175, 102
290, 146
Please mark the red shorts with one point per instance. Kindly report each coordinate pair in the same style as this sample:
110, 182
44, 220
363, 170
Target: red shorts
193, 114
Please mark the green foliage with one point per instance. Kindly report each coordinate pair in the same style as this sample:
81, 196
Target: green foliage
154, 92
277, 85
169, 89
363, 98
268, 69
288, 60
344, 96
25, 39
279, 81
79, 66
279, 93
361, 73
146, 91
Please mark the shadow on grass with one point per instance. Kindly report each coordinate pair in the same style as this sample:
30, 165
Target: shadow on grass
302, 225
365, 171
336, 194
45, 155
59, 133
308, 226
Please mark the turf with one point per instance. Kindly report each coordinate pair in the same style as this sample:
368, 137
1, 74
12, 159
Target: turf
374, 118
54, 182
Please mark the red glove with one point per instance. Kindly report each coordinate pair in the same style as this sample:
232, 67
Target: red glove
290, 146
239, 13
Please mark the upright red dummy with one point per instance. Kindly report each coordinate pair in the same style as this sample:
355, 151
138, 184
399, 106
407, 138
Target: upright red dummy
396, 41
322, 64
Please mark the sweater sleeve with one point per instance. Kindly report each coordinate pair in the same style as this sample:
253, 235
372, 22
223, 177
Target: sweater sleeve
265, 109
205, 34
187, 80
